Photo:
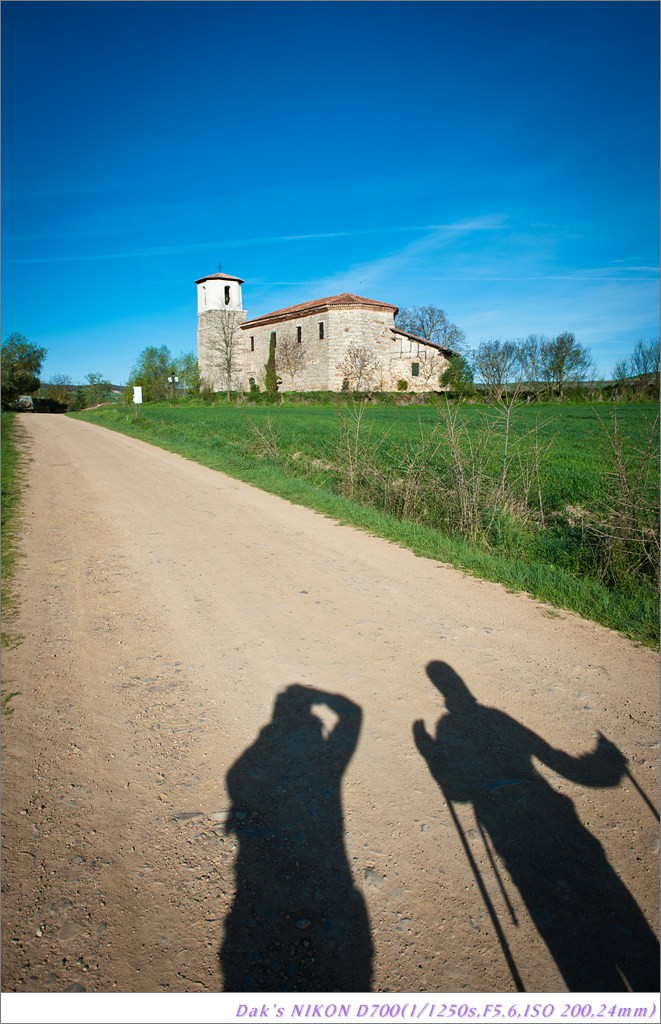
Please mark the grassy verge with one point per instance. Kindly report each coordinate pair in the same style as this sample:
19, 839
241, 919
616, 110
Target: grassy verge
356, 472
11, 496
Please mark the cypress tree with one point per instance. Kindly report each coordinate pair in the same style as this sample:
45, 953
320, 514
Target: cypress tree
271, 383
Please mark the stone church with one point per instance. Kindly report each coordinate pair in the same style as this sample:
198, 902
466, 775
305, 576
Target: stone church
340, 342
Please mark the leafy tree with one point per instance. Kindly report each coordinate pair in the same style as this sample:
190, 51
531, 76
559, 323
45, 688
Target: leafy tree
98, 388
271, 382
21, 367
432, 323
188, 372
59, 388
151, 372
79, 400
458, 377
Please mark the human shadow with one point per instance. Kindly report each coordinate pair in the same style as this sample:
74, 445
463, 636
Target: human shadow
588, 919
297, 923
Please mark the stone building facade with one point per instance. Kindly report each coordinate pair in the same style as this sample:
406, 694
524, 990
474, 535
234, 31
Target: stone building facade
343, 341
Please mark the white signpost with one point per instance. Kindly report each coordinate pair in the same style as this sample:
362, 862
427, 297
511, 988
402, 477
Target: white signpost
137, 396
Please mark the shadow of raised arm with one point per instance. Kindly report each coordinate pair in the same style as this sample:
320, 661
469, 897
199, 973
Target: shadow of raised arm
603, 767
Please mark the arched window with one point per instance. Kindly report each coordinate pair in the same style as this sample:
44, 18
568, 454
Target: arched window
227, 295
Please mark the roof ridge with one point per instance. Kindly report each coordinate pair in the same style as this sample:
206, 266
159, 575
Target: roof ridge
342, 299
222, 277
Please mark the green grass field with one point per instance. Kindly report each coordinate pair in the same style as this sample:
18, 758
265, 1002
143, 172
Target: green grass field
570, 514
11, 497
10, 502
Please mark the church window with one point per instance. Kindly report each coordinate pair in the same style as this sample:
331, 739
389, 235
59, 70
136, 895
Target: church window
321, 330
227, 295
299, 334
415, 369
252, 344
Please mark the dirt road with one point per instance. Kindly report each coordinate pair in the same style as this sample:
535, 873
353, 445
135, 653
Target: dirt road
213, 776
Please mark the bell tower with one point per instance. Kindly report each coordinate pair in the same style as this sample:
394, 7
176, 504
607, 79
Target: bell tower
219, 317
219, 291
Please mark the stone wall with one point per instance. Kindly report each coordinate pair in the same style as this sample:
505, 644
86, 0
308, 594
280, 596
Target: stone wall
211, 327
312, 375
404, 356
352, 330
327, 360
394, 356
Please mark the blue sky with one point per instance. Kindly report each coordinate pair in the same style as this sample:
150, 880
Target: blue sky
499, 160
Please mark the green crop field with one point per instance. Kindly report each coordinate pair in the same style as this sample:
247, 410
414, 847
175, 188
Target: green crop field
11, 496
560, 500
10, 501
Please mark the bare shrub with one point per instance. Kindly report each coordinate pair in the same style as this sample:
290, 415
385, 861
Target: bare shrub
414, 476
448, 477
623, 524
466, 463
291, 357
360, 367
266, 443
223, 349
531, 452
355, 452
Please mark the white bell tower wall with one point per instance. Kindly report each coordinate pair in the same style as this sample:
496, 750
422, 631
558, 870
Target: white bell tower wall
219, 291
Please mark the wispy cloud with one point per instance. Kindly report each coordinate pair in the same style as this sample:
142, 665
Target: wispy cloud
600, 274
435, 231
413, 258
130, 210
173, 250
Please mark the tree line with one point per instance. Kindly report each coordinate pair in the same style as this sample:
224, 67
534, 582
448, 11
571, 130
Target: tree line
537, 366
540, 365
22, 363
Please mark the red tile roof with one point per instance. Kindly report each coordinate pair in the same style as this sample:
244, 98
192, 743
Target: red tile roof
346, 299
221, 277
